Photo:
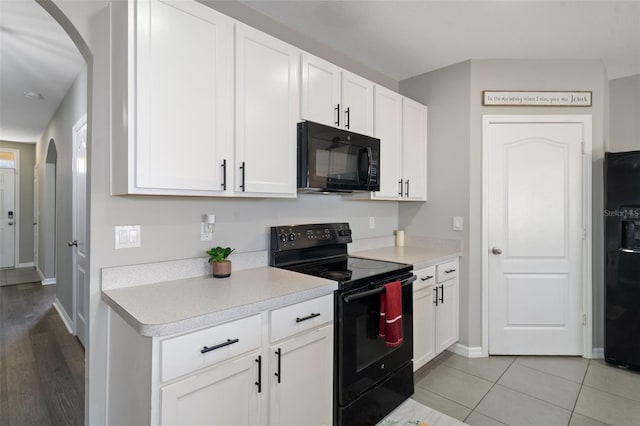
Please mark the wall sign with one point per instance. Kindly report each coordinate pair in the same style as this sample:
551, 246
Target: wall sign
530, 98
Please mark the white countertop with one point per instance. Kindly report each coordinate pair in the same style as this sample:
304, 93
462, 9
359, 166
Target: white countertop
171, 307
419, 257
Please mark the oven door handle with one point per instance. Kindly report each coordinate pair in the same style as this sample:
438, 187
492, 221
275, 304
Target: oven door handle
351, 297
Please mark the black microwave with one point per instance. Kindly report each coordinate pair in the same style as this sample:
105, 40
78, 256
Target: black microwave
336, 160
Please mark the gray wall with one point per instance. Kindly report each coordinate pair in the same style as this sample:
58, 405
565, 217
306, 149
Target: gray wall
625, 114
56, 262
25, 215
499, 75
446, 92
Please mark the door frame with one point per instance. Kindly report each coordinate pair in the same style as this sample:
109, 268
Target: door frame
74, 236
16, 205
587, 213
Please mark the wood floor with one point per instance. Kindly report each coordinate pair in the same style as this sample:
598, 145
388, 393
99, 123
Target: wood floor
41, 364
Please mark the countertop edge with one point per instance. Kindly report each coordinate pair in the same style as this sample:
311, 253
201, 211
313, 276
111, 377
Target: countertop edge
202, 321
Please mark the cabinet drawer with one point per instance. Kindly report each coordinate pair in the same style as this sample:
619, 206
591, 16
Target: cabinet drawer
184, 354
446, 271
426, 277
300, 317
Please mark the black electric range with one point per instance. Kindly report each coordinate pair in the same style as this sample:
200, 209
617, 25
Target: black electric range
370, 378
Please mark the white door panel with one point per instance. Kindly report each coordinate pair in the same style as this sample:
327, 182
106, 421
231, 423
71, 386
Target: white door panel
534, 192
80, 259
7, 224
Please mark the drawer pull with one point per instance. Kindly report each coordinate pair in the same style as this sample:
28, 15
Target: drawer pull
435, 300
307, 318
259, 382
428, 277
206, 349
441, 293
449, 271
278, 373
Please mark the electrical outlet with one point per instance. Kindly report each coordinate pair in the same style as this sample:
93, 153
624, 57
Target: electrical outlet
372, 222
128, 236
205, 234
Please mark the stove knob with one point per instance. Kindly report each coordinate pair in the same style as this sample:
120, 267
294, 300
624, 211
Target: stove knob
292, 237
283, 238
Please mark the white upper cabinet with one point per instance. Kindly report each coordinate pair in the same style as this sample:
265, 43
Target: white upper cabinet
320, 91
180, 92
267, 105
357, 103
414, 150
335, 97
388, 128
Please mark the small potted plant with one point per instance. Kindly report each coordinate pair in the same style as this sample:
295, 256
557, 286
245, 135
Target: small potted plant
220, 266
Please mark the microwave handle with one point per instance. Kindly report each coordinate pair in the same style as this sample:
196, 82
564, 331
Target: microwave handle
369, 164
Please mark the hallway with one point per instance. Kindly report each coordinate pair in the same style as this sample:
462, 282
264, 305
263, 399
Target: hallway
41, 364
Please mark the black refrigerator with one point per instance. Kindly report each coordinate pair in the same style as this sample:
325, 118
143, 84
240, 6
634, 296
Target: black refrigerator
622, 258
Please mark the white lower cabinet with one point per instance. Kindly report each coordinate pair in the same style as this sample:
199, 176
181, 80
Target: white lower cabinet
235, 373
301, 379
435, 311
223, 395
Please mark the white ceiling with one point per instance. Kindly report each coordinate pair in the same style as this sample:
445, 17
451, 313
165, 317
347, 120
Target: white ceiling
403, 38
36, 56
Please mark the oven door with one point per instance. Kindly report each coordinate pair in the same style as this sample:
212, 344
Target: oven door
363, 358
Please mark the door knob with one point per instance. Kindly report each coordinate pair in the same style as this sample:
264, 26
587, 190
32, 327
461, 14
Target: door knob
496, 251
10, 223
73, 243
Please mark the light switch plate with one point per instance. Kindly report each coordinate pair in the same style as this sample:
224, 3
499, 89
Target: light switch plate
457, 223
205, 235
128, 236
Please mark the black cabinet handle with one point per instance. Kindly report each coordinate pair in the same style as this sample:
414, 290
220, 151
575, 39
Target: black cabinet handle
278, 373
401, 186
307, 317
259, 382
428, 277
243, 168
407, 193
435, 300
337, 109
224, 175
449, 271
206, 349
348, 120
442, 293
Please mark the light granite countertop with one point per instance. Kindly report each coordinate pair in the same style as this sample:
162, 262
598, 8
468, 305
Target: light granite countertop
160, 308
415, 254
170, 307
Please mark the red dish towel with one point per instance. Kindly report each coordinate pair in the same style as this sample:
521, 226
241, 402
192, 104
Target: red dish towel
390, 326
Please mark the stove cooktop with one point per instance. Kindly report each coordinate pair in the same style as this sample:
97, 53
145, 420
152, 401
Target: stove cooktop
350, 269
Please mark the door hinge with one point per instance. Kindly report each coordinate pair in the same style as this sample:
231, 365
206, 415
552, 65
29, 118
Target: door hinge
584, 319
584, 233
584, 147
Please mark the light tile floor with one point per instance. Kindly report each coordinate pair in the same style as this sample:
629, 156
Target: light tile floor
530, 390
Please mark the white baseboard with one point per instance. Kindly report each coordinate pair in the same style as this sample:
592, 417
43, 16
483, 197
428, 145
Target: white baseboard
63, 315
466, 351
597, 353
26, 265
45, 281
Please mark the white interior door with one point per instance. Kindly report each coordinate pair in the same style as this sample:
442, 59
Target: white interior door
8, 219
79, 243
36, 215
535, 231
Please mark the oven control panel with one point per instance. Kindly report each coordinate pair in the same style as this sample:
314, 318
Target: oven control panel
291, 237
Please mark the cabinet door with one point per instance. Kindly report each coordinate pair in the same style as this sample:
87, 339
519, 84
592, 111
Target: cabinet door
424, 317
414, 150
181, 115
357, 104
267, 109
226, 394
387, 126
447, 314
423, 326
320, 91
302, 393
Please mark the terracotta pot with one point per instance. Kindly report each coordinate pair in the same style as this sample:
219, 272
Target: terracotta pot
221, 269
